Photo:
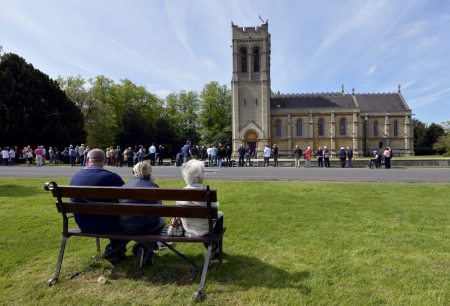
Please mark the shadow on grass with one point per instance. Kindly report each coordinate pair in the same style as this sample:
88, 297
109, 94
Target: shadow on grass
240, 271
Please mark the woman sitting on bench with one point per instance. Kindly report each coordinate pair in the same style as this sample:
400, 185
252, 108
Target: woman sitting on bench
193, 174
140, 224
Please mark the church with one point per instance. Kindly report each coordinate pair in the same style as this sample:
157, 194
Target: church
361, 121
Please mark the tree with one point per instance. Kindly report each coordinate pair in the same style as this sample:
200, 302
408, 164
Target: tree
33, 109
76, 88
419, 133
442, 145
215, 115
182, 112
433, 132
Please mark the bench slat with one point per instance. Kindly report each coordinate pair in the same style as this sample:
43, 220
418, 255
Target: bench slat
161, 237
131, 209
169, 194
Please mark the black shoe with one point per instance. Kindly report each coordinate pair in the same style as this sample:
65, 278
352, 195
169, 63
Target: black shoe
148, 258
140, 258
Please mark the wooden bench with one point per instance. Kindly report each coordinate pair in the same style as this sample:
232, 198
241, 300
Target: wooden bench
65, 206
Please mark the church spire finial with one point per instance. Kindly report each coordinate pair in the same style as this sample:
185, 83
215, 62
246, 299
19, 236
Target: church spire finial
399, 88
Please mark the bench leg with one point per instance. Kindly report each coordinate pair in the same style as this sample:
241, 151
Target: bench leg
199, 294
97, 243
53, 280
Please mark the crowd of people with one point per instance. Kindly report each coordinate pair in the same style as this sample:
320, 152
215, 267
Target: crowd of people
212, 156
94, 174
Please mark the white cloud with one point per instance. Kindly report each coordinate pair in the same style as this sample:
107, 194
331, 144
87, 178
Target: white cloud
371, 70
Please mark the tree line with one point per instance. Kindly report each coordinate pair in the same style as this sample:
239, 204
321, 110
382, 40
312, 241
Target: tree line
36, 110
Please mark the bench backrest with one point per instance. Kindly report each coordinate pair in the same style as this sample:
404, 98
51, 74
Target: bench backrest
111, 206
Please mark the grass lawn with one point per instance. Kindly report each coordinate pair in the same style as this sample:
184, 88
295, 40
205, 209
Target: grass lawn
287, 243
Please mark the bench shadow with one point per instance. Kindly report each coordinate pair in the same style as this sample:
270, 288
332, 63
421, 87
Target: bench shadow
241, 271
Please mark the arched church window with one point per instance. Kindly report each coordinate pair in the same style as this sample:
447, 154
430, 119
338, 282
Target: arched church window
375, 128
321, 126
342, 127
395, 128
256, 59
243, 56
278, 128
299, 127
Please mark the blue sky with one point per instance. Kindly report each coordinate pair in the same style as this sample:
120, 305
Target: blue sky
169, 46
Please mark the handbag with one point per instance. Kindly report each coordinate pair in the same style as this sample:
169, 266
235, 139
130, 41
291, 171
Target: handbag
175, 227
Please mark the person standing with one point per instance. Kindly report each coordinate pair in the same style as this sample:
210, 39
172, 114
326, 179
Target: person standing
12, 156
118, 156
275, 155
81, 150
38, 154
387, 158
297, 155
228, 153
248, 156
186, 151
93, 174
350, 157
326, 156
5, 156
319, 155
241, 152
308, 156
342, 157
266, 154
204, 153
214, 156
152, 154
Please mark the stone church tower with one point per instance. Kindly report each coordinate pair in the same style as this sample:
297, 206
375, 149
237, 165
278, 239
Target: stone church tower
250, 87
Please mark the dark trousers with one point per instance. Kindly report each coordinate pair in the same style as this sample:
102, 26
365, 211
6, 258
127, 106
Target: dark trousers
320, 162
387, 162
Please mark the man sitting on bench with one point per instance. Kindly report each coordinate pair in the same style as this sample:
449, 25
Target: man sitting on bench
93, 174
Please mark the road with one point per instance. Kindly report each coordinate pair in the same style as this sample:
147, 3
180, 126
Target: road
258, 173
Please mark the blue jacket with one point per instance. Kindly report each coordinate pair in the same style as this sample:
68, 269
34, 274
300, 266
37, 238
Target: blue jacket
94, 176
140, 224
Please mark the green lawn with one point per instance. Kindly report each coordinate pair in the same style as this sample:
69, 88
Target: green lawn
287, 243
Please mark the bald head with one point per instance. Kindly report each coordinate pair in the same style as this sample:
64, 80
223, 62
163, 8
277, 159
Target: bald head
96, 157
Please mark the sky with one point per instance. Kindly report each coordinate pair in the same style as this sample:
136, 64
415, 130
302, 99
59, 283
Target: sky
172, 45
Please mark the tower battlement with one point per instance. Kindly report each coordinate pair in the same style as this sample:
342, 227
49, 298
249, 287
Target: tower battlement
258, 31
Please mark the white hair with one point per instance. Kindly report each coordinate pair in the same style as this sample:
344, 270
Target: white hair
142, 169
192, 172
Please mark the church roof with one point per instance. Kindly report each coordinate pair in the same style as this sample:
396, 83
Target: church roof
381, 102
333, 100
378, 102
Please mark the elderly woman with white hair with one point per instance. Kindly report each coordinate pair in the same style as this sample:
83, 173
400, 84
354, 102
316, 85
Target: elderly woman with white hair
193, 174
141, 224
